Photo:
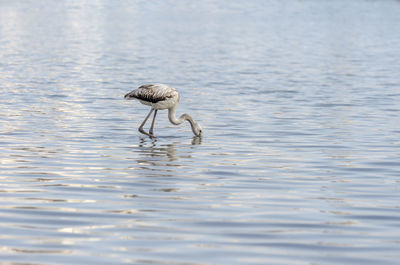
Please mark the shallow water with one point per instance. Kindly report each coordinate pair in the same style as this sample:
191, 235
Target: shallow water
299, 162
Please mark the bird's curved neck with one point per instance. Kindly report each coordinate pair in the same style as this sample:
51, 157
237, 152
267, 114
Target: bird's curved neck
172, 116
184, 117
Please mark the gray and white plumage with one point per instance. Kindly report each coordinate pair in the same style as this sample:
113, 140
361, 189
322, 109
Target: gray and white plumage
153, 93
160, 97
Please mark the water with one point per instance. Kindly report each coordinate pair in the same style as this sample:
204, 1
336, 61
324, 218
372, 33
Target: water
299, 162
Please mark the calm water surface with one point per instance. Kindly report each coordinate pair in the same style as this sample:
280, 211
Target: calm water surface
300, 158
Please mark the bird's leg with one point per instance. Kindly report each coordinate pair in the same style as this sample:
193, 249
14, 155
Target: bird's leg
143, 123
152, 123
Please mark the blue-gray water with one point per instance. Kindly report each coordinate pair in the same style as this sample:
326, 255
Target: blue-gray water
300, 158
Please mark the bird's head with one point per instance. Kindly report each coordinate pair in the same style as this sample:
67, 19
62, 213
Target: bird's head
196, 128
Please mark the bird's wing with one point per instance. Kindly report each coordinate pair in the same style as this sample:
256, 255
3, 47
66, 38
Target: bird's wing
152, 93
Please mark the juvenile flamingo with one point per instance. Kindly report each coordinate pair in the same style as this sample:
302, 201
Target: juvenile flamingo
159, 97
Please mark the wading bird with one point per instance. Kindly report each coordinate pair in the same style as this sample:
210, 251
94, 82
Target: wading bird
160, 97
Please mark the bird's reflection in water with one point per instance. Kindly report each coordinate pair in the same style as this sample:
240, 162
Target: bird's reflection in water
164, 158
196, 140
153, 150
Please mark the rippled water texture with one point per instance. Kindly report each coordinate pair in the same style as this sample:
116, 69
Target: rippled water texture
299, 162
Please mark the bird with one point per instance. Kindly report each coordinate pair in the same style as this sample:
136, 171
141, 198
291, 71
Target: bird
160, 97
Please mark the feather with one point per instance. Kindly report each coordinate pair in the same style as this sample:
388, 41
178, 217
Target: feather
152, 93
